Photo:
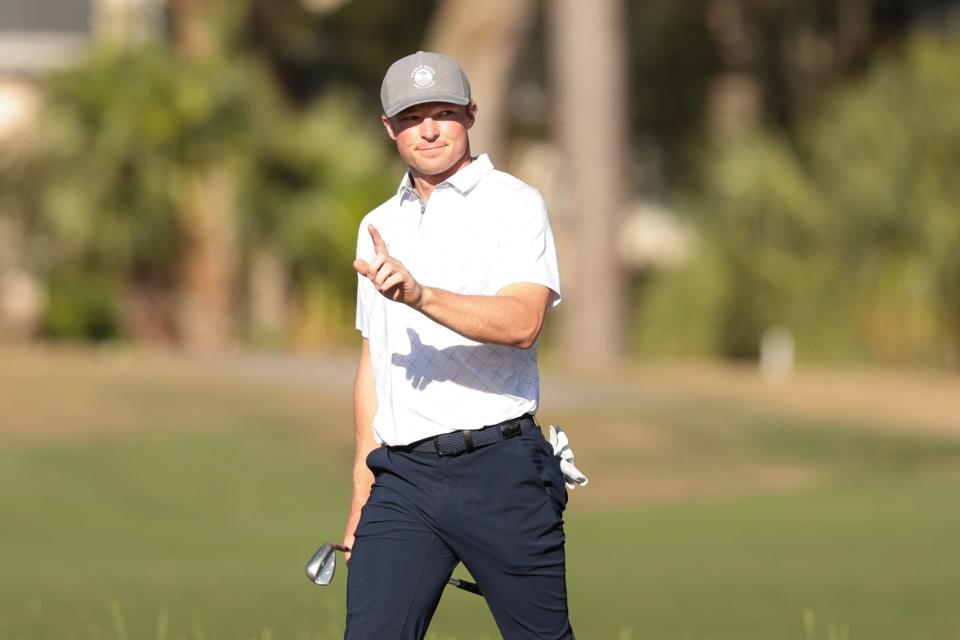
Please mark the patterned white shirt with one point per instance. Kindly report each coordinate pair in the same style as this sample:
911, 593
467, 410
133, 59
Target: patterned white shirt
481, 230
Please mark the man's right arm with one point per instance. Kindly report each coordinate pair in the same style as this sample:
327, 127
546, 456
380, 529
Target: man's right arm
364, 408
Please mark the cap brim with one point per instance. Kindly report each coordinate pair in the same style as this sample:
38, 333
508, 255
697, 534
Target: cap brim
412, 101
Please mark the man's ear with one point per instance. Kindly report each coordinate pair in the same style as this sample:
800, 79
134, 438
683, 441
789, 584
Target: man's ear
388, 126
471, 113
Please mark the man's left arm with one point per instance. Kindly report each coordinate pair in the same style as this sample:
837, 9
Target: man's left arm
513, 317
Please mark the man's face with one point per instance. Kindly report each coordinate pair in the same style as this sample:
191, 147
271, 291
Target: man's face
432, 137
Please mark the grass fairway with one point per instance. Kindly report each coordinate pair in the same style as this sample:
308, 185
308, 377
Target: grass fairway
151, 498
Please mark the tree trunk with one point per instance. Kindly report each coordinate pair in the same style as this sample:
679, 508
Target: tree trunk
735, 99
590, 75
147, 311
485, 38
21, 294
207, 215
854, 30
191, 36
268, 297
207, 220
126, 23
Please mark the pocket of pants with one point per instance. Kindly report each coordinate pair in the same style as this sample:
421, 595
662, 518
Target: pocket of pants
547, 468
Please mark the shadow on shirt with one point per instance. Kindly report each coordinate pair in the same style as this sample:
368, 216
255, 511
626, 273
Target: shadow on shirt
425, 364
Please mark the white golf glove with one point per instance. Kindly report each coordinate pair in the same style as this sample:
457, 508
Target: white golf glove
572, 477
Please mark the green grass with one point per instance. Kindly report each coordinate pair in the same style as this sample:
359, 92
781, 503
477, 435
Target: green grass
197, 524
877, 557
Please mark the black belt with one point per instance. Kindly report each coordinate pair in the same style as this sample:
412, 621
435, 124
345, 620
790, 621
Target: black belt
450, 444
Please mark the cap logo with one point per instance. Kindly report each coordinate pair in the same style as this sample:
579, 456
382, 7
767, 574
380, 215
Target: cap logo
424, 76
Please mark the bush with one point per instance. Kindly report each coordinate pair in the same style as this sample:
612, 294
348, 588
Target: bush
126, 134
81, 306
848, 235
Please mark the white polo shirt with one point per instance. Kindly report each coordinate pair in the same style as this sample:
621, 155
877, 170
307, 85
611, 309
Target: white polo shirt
481, 230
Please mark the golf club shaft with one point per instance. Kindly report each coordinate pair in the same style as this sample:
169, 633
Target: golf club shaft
466, 585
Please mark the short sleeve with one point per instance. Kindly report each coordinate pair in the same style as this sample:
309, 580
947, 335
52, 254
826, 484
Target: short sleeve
528, 252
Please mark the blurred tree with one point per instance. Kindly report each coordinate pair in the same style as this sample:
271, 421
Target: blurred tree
854, 30
136, 181
304, 201
887, 155
770, 227
206, 213
590, 74
672, 60
139, 172
699, 66
485, 38
186, 183
735, 98
313, 48
851, 236
20, 296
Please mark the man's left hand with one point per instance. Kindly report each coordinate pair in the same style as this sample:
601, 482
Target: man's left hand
388, 274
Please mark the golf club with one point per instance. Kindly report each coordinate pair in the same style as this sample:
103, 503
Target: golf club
323, 563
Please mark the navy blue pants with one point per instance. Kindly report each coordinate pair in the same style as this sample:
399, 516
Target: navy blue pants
497, 509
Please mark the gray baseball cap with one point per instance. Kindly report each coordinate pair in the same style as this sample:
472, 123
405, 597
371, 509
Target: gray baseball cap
423, 77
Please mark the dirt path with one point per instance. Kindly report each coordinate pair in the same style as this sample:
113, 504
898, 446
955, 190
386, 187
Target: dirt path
49, 387
919, 401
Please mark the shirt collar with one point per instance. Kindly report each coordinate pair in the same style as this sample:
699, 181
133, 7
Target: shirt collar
468, 177
463, 181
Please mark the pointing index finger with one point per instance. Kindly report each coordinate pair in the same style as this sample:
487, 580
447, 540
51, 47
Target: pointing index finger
379, 246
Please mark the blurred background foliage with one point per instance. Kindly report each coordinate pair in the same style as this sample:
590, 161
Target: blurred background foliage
130, 137
203, 188
847, 231
789, 175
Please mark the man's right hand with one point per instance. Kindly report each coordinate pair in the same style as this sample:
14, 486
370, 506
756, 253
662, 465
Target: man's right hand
388, 274
349, 538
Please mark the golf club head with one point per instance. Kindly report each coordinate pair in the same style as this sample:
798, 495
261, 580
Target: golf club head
322, 564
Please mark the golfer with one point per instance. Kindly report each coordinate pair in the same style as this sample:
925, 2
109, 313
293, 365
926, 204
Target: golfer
456, 273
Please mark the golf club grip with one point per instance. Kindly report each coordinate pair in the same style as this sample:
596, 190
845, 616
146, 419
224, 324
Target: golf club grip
340, 547
466, 585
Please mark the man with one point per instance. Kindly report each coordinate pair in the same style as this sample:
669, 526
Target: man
456, 272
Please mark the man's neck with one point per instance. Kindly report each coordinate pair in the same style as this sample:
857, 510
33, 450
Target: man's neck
424, 185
